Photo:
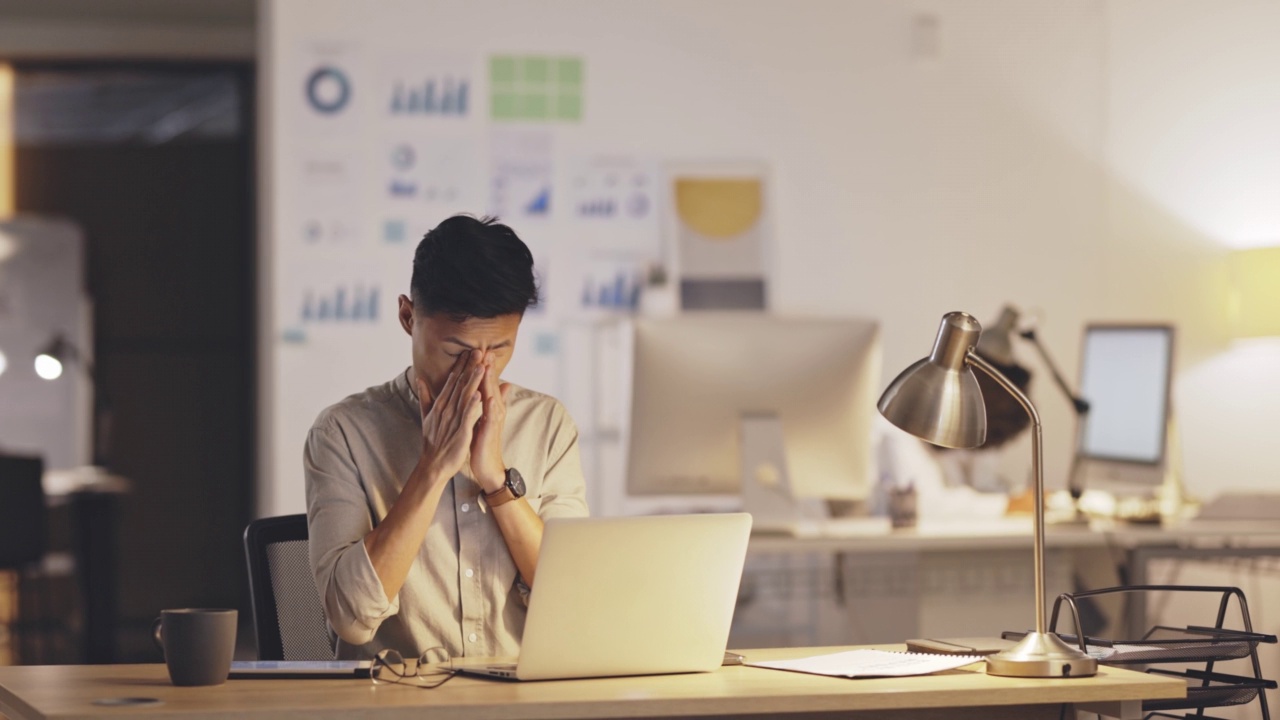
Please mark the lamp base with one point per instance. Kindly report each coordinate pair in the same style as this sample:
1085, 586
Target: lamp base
1042, 655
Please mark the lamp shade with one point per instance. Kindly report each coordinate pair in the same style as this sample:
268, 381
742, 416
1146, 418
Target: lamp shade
996, 343
1256, 301
937, 399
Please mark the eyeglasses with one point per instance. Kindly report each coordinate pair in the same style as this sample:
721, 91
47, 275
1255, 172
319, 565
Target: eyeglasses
425, 672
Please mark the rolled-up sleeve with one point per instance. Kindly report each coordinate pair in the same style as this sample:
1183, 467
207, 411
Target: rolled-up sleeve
338, 518
563, 493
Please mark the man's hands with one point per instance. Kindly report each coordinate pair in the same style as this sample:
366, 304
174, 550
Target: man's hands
468, 417
448, 422
487, 465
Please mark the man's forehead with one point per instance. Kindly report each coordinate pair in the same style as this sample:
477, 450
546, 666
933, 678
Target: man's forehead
474, 332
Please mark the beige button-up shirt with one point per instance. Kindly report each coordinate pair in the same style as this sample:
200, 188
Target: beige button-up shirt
463, 592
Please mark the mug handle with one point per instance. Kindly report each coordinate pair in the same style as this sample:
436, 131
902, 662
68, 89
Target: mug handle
155, 634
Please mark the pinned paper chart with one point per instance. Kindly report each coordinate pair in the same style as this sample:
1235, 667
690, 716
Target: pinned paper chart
618, 288
416, 87
616, 190
340, 304
613, 203
429, 177
520, 176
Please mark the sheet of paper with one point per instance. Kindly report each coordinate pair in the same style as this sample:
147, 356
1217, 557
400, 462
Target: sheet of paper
613, 203
871, 663
1117, 652
520, 176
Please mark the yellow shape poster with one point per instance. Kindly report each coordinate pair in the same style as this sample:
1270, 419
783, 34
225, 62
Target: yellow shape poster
719, 208
721, 234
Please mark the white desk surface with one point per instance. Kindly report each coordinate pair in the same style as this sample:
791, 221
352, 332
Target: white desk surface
1012, 533
61, 483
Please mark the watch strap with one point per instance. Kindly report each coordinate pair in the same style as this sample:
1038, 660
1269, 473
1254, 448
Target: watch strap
501, 496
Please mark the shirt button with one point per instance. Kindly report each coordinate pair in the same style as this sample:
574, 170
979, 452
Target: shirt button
470, 572
472, 637
466, 507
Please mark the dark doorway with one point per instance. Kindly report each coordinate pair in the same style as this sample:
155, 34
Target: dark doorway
155, 162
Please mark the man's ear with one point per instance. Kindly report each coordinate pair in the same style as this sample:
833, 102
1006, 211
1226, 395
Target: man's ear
406, 314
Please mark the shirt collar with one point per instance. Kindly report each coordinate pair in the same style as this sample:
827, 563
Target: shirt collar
405, 390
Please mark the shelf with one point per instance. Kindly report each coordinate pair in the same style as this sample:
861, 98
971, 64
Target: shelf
1168, 645
1190, 644
1209, 689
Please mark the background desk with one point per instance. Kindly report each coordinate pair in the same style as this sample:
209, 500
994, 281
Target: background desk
961, 580
92, 494
65, 692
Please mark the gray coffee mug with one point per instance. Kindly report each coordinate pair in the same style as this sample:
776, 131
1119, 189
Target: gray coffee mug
197, 644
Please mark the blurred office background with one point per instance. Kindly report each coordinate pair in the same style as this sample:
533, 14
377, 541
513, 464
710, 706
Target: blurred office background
244, 182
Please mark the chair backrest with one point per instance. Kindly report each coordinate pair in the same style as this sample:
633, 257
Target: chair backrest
288, 615
24, 525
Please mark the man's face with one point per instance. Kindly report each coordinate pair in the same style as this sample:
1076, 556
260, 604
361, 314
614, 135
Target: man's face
439, 340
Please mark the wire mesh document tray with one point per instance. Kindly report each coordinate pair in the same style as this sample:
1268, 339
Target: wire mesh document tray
1201, 645
1164, 644
1190, 644
1209, 689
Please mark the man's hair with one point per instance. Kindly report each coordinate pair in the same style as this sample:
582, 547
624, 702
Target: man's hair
469, 268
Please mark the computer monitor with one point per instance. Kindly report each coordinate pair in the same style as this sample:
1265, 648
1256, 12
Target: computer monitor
1125, 374
698, 376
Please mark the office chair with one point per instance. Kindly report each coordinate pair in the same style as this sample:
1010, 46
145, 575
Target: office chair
288, 615
24, 533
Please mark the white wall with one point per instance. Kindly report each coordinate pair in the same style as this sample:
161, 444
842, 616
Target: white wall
1193, 158
912, 174
41, 297
1092, 160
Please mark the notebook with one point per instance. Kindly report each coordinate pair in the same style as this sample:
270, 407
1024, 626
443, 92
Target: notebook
246, 669
628, 596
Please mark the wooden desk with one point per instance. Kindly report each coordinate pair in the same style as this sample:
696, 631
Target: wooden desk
67, 692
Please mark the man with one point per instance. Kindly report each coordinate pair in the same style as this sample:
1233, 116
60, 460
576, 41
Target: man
426, 496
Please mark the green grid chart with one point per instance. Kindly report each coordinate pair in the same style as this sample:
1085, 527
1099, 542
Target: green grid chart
535, 87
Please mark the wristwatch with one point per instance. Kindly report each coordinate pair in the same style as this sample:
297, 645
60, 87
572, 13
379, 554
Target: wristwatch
511, 489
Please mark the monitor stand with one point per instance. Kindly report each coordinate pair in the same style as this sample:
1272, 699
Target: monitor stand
768, 493
766, 485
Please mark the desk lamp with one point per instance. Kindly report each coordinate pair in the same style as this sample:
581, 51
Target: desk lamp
49, 363
996, 345
56, 353
938, 400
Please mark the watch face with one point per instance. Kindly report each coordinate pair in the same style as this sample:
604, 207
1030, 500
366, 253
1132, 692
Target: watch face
515, 482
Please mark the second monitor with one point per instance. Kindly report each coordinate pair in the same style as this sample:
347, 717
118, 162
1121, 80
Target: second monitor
701, 379
1126, 375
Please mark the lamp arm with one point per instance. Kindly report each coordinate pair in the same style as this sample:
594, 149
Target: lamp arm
87, 366
100, 414
1080, 404
83, 360
1037, 462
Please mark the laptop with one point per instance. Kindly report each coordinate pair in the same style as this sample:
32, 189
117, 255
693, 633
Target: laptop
628, 596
